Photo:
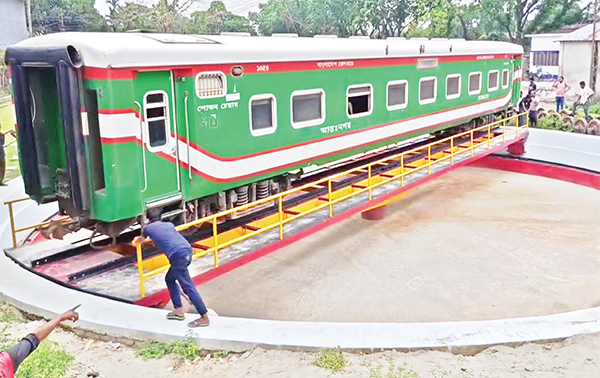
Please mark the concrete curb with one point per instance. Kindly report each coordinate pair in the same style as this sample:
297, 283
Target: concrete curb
127, 323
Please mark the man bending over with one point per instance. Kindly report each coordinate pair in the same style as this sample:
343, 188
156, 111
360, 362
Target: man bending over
179, 252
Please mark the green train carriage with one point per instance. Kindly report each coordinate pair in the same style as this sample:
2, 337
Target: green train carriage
112, 124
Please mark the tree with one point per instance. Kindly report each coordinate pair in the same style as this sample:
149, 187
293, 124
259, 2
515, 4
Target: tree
512, 19
51, 16
167, 15
131, 16
216, 20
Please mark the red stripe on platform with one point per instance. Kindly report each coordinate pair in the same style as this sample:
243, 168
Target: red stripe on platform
535, 168
163, 296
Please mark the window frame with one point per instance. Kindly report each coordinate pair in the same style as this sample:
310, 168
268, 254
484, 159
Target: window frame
271, 130
313, 122
387, 95
431, 100
457, 95
507, 78
473, 93
167, 118
223, 76
493, 89
363, 114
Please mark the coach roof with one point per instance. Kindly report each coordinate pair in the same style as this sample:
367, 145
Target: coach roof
155, 49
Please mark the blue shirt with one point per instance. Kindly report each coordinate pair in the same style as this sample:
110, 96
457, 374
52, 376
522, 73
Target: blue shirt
167, 238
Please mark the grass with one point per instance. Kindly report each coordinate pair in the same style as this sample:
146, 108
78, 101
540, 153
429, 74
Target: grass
553, 123
7, 122
153, 349
186, 349
404, 371
331, 359
393, 371
48, 361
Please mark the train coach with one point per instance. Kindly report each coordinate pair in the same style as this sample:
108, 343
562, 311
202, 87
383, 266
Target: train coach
112, 124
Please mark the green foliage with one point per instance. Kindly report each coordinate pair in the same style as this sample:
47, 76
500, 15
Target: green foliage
48, 361
153, 349
215, 20
331, 359
393, 371
49, 16
553, 123
221, 353
186, 349
595, 108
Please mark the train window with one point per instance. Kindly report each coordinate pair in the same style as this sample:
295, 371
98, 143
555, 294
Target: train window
397, 94
474, 83
308, 108
263, 114
493, 80
427, 90
156, 116
452, 86
505, 78
211, 84
360, 100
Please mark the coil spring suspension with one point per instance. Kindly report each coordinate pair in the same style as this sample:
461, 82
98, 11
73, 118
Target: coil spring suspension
242, 195
262, 190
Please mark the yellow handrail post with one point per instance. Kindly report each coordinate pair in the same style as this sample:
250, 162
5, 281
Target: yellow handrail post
472, 148
140, 264
280, 217
489, 136
504, 131
452, 151
370, 183
12, 224
429, 159
216, 252
402, 169
329, 198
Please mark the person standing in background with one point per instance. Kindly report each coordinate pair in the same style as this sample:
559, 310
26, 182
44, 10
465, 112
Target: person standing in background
561, 90
583, 100
533, 110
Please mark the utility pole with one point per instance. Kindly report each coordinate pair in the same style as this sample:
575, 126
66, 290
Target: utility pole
29, 22
594, 66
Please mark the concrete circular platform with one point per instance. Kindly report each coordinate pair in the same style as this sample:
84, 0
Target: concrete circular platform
475, 244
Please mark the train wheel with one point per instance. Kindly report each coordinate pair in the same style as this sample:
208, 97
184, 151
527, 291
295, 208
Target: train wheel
564, 113
593, 127
568, 122
542, 114
580, 125
541, 110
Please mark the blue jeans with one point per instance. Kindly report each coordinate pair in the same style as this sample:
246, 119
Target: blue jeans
586, 109
560, 104
178, 273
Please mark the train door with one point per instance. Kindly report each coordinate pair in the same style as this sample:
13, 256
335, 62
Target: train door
154, 98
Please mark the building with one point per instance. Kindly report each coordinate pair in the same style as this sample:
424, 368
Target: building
13, 26
544, 53
576, 55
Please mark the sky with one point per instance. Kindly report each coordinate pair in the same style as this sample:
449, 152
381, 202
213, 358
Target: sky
239, 7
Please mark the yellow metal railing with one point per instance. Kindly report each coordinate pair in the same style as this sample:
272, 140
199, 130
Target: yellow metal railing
14, 231
372, 182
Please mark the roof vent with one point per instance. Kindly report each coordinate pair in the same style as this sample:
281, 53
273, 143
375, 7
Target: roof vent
457, 39
359, 37
439, 39
236, 34
285, 35
419, 39
326, 36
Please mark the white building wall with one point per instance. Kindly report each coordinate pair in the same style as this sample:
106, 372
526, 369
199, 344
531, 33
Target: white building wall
576, 59
545, 43
13, 26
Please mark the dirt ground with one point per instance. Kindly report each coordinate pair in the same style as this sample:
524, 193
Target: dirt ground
578, 357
